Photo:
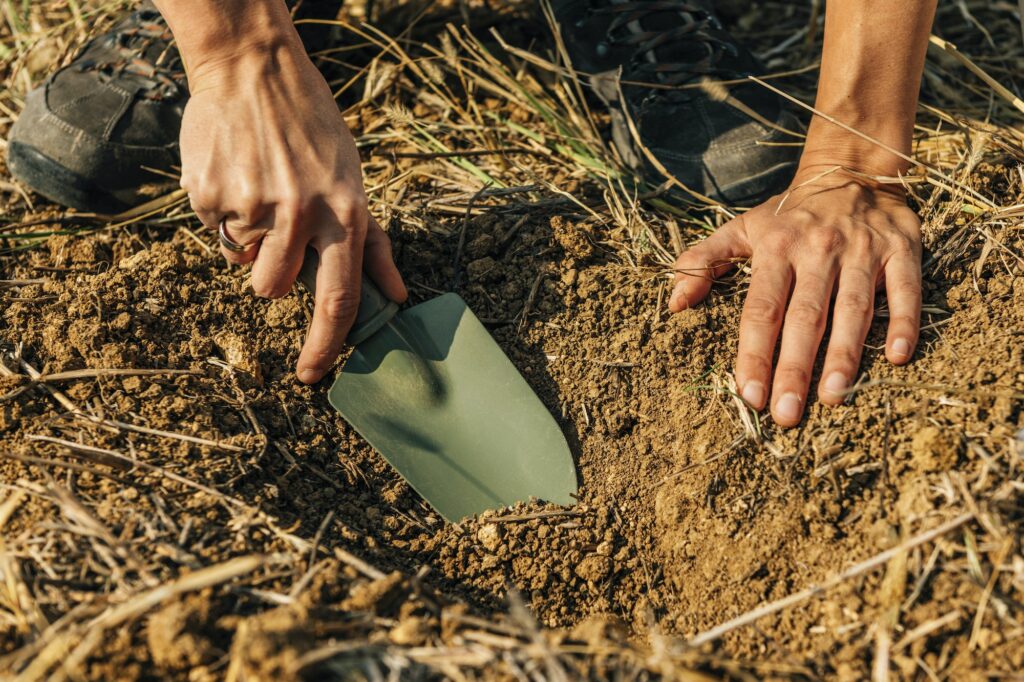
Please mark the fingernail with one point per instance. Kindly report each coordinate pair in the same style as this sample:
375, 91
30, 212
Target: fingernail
788, 407
835, 383
901, 349
308, 376
753, 393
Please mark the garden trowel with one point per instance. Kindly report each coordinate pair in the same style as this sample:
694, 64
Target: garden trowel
434, 394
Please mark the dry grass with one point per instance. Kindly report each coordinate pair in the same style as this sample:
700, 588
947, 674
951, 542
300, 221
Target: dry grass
456, 120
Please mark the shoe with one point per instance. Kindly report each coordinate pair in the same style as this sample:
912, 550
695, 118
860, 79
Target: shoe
655, 63
101, 134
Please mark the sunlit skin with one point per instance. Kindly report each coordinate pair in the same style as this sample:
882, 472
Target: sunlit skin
263, 145
825, 246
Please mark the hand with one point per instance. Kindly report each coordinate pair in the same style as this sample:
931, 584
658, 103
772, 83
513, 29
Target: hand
264, 146
836, 235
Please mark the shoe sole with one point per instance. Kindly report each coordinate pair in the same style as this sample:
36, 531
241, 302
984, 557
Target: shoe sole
60, 185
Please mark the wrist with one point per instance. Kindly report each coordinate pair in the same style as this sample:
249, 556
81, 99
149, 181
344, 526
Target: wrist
213, 37
882, 146
884, 155
251, 67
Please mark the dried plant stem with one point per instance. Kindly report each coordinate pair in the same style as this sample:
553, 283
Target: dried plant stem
91, 373
62, 650
113, 458
9, 506
880, 559
169, 434
951, 49
57, 395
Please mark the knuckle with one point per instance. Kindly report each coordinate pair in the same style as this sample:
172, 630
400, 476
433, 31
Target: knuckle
360, 202
245, 194
248, 212
902, 244
801, 216
856, 189
353, 213
289, 213
854, 304
904, 321
339, 306
691, 264
806, 313
246, 203
762, 310
777, 242
905, 285
861, 241
752, 365
878, 218
843, 357
289, 192
203, 199
828, 240
790, 375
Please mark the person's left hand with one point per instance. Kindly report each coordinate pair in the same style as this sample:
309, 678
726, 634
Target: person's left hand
835, 235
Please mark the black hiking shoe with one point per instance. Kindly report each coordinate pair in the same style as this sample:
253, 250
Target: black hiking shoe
101, 134
666, 49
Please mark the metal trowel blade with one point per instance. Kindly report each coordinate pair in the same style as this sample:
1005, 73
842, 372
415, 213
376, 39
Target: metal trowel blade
435, 395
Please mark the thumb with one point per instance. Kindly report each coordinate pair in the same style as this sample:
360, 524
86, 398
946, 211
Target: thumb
697, 268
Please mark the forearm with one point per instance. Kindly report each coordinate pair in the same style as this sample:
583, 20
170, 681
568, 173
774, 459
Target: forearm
212, 34
870, 78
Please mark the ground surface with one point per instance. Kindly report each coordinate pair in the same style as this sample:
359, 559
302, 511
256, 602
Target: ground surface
224, 522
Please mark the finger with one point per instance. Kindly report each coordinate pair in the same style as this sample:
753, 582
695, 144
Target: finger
698, 267
851, 319
801, 336
243, 235
379, 263
337, 300
903, 288
759, 329
280, 258
210, 218
205, 204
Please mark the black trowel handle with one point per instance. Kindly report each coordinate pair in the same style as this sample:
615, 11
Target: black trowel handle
375, 309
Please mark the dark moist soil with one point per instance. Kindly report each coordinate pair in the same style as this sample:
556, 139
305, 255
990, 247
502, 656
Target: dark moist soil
682, 521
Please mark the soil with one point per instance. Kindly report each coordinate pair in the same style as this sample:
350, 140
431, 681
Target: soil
691, 510
683, 520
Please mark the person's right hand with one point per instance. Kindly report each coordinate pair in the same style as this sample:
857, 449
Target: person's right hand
264, 147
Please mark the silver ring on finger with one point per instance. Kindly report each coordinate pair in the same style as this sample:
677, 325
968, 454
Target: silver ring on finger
226, 241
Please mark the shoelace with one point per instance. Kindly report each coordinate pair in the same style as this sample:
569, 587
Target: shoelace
699, 28
146, 52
